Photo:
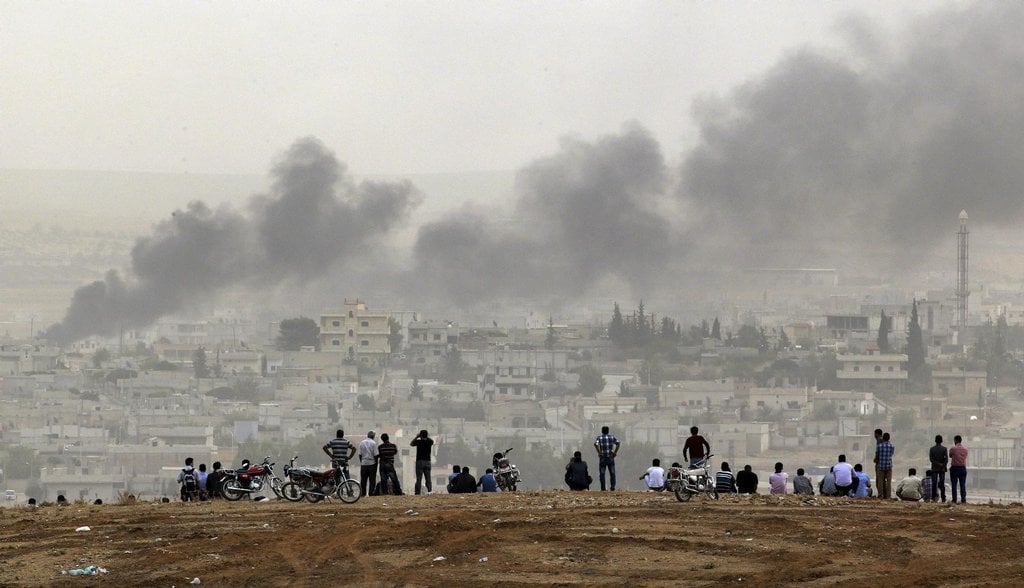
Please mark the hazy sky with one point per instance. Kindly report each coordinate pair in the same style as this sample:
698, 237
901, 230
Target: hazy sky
391, 87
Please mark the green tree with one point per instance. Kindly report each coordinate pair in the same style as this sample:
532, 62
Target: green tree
549, 341
716, 330
784, 343
916, 370
296, 333
747, 336
416, 392
591, 380
884, 324
453, 366
616, 328
394, 335
199, 367
100, 357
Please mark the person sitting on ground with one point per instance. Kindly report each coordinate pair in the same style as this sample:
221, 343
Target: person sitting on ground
655, 476
863, 489
725, 481
456, 470
203, 476
846, 481
213, 480
778, 480
464, 483
189, 481
746, 480
927, 485
577, 475
487, 483
827, 485
802, 484
911, 488
61, 500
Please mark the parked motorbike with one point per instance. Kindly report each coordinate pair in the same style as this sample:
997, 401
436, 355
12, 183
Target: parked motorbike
506, 474
685, 482
250, 480
314, 485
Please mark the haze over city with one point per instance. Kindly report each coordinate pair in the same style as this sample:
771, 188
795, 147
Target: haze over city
631, 148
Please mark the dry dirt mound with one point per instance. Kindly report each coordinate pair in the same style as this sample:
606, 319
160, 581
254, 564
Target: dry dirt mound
526, 538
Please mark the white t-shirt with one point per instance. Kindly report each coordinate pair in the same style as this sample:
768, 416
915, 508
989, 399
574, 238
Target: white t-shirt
367, 452
655, 477
844, 473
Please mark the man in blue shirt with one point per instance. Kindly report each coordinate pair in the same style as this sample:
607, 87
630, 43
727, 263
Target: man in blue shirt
863, 489
487, 482
607, 447
883, 466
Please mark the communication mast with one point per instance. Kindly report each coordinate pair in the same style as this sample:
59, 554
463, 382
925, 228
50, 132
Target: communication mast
962, 291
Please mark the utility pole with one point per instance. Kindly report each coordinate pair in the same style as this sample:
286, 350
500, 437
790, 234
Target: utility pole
962, 291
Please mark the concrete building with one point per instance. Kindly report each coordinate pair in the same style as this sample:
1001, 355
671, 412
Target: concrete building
359, 333
874, 372
428, 346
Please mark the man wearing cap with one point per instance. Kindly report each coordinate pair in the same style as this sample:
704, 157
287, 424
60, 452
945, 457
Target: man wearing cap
368, 464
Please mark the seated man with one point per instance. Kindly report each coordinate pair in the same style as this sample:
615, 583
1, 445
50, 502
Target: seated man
464, 483
802, 484
655, 476
910, 488
827, 485
456, 470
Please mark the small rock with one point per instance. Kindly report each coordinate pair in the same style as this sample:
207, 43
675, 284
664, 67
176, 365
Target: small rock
196, 581
86, 528
483, 559
615, 529
439, 558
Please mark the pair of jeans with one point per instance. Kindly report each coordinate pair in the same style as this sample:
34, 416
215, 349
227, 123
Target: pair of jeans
606, 463
958, 475
422, 471
389, 479
368, 479
938, 485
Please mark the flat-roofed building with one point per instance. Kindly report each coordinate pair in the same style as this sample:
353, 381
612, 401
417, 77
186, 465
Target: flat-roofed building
361, 334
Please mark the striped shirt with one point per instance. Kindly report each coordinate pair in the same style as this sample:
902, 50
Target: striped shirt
387, 452
340, 448
725, 482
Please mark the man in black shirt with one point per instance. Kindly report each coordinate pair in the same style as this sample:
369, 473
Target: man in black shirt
464, 483
746, 481
424, 445
938, 455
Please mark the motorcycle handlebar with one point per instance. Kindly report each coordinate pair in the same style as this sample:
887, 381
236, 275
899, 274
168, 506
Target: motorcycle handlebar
509, 450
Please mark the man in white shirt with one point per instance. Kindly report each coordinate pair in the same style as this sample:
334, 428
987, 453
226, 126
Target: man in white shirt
846, 480
368, 464
910, 488
655, 476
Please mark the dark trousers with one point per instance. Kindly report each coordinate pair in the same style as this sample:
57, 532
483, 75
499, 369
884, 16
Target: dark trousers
938, 485
958, 475
368, 479
849, 488
606, 463
389, 480
422, 471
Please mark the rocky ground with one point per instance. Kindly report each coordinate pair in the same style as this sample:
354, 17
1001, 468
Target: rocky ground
564, 538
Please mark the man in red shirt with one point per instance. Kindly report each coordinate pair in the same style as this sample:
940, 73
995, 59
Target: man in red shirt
696, 447
958, 469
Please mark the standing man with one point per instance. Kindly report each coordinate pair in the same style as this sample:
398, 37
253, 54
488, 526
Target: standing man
368, 464
696, 447
958, 469
340, 450
424, 444
883, 466
607, 447
386, 452
939, 457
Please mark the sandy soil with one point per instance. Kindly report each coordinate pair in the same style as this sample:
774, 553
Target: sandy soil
527, 538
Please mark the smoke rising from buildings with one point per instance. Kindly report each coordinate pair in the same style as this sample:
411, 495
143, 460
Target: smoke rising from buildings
871, 154
829, 159
314, 218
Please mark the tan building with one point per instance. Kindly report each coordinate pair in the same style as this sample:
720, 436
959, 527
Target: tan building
874, 372
357, 332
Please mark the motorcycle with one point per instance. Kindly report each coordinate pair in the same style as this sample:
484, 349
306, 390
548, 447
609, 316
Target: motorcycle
250, 480
506, 474
314, 485
685, 482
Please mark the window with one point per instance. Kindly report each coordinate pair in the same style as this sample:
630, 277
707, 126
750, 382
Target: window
878, 368
891, 368
437, 353
335, 342
351, 333
437, 336
350, 314
364, 323
760, 402
364, 343
856, 368
335, 323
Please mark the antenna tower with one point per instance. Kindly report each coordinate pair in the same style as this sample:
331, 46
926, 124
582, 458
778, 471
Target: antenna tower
961, 279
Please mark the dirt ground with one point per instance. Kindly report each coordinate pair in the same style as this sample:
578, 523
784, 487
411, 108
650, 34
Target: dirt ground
528, 538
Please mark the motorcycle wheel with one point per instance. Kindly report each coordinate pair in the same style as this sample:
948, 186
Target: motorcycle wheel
276, 484
682, 495
230, 490
292, 492
348, 492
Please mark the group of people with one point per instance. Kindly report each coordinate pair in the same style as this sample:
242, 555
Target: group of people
199, 484
379, 457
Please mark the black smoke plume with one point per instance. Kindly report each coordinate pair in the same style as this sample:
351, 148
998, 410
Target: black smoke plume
313, 220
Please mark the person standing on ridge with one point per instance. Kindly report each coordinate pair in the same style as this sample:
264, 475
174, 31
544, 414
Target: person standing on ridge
607, 447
